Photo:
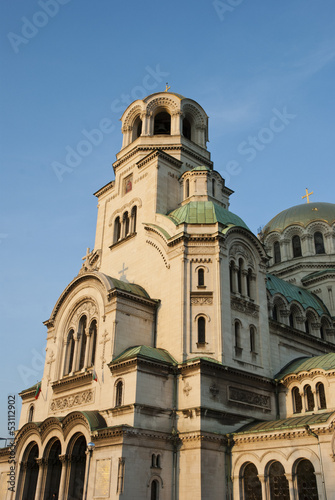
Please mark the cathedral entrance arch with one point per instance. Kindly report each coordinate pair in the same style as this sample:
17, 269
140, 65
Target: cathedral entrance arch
54, 469
76, 467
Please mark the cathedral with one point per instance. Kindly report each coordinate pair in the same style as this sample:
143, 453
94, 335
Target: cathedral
189, 359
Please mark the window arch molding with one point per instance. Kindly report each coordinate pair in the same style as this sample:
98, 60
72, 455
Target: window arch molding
119, 387
31, 413
74, 359
201, 272
155, 477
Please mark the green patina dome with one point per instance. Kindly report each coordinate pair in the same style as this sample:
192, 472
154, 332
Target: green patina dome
301, 215
205, 212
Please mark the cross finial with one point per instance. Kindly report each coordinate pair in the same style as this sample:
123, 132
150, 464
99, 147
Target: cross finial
86, 256
167, 88
307, 195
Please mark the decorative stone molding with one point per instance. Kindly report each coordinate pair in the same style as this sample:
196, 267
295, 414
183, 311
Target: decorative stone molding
237, 250
249, 398
187, 389
91, 261
88, 308
72, 401
245, 306
160, 252
201, 299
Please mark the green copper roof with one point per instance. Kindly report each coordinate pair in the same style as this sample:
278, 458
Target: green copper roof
325, 362
143, 351
293, 292
205, 212
301, 215
128, 287
95, 420
286, 423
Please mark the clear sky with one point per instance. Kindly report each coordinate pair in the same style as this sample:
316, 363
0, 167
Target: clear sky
263, 71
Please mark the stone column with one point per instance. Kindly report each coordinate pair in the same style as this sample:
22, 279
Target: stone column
289, 478
88, 343
63, 459
262, 479
244, 274
76, 354
176, 118
286, 252
41, 473
235, 281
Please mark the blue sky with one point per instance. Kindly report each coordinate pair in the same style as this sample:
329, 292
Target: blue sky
262, 70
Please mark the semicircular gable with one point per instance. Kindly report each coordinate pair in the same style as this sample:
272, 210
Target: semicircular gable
251, 241
91, 420
28, 430
48, 426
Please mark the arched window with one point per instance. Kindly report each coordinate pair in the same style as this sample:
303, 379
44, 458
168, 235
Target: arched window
154, 490
187, 188
252, 487
276, 252
29, 471
82, 342
248, 279
309, 398
307, 329
53, 472
162, 124
321, 396
322, 332
119, 393
133, 219
296, 246
68, 367
117, 230
201, 277
201, 330
125, 223
306, 481
158, 461
296, 400
279, 488
31, 414
77, 461
291, 320
252, 336
137, 128
318, 243
187, 130
231, 276
213, 187
237, 335
153, 460
275, 312
93, 341
239, 275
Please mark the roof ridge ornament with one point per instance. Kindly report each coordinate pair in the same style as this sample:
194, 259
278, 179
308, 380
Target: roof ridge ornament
307, 195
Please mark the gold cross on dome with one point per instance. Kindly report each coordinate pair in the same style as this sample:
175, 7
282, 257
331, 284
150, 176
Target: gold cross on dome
307, 195
167, 88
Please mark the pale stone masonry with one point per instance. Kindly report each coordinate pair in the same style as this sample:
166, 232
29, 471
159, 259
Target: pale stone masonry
167, 351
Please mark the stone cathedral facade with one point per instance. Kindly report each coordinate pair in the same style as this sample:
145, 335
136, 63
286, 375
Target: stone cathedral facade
197, 357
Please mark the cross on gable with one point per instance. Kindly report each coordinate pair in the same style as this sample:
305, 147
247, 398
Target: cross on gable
123, 277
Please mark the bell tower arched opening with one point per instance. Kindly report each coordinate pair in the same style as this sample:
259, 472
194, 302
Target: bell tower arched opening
162, 123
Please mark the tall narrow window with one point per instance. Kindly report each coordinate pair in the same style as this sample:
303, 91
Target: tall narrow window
309, 398
31, 414
93, 341
133, 219
201, 330
201, 277
68, 368
296, 246
186, 128
307, 329
237, 334
231, 276
296, 400
125, 222
137, 128
83, 341
154, 490
275, 312
213, 187
276, 252
118, 395
187, 188
291, 320
318, 243
320, 392
252, 334
117, 230
248, 279
239, 276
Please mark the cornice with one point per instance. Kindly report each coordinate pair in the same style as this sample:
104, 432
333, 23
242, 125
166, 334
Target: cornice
72, 381
104, 189
156, 153
278, 435
140, 361
287, 332
134, 298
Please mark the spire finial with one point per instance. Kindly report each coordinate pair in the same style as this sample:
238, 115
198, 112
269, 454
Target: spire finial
167, 88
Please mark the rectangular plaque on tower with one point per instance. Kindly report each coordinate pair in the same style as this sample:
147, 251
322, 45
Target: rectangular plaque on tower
102, 479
